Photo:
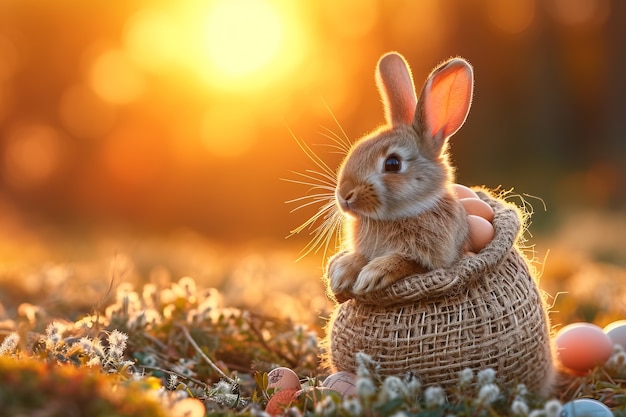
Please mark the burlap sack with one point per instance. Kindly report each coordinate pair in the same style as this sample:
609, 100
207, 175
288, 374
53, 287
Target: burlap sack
486, 311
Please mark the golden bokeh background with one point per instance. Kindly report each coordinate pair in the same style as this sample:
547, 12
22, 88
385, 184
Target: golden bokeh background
156, 115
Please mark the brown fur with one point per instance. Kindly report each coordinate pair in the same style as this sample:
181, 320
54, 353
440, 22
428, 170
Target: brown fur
403, 221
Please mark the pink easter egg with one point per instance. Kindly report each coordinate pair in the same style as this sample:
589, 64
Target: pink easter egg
478, 207
481, 232
462, 191
582, 346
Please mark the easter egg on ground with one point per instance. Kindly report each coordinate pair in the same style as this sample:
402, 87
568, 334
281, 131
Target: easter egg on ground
282, 378
582, 346
585, 407
616, 331
342, 382
189, 407
280, 400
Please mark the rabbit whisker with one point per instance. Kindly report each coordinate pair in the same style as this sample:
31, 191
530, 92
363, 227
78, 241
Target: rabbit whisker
323, 235
325, 225
338, 143
339, 150
314, 157
314, 185
342, 140
308, 203
321, 179
330, 180
321, 197
325, 212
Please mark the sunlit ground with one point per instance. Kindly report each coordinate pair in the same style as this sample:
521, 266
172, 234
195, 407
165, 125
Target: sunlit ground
580, 267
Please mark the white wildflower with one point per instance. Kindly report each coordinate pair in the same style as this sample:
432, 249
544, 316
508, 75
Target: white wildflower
54, 332
617, 361
352, 406
98, 349
149, 294
434, 396
172, 382
413, 385
86, 345
553, 408
486, 376
521, 389
293, 412
31, 312
488, 393
117, 343
519, 407
9, 344
94, 361
400, 414
184, 367
113, 310
122, 292
188, 285
256, 412
223, 387
466, 376
365, 364
365, 387
394, 387
537, 413
326, 407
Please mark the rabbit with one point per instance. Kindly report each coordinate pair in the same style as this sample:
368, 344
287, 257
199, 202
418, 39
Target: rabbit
394, 186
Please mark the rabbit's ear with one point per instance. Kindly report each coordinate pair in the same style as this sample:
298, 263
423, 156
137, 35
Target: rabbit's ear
444, 101
395, 84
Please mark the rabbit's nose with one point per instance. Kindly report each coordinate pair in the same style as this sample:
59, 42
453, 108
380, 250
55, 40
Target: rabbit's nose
346, 196
345, 190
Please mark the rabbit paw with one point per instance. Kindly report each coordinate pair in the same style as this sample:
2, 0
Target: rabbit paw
343, 268
383, 271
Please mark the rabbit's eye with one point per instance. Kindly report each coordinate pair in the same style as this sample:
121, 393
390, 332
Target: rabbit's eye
392, 164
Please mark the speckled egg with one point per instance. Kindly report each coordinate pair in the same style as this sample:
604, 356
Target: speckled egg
282, 378
582, 346
616, 331
342, 382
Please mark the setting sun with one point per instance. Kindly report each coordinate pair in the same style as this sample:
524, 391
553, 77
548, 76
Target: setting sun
242, 36
236, 45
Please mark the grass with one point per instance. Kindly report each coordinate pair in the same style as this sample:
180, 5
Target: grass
132, 336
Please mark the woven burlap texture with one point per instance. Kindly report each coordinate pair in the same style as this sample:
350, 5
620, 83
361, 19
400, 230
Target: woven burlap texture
484, 312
